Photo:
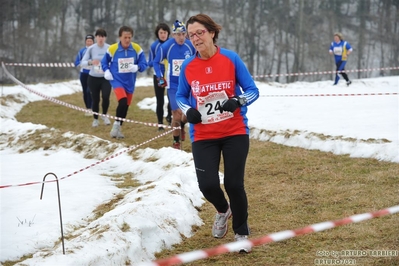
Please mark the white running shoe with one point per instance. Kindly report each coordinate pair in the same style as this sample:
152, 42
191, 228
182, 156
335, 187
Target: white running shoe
106, 120
219, 229
246, 248
95, 123
116, 131
120, 135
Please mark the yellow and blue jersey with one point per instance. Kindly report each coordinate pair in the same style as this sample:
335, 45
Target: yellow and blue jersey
340, 50
117, 60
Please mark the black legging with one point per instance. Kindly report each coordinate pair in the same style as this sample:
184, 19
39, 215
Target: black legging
207, 156
122, 108
160, 96
99, 86
85, 89
341, 67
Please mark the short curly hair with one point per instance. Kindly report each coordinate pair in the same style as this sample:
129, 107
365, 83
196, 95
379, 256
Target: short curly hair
125, 29
208, 23
340, 36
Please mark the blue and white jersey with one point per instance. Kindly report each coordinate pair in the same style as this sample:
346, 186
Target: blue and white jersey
79, 58
340, 50
175, 54
153, 51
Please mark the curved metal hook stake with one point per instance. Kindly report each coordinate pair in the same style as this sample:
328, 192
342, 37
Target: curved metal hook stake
59, 206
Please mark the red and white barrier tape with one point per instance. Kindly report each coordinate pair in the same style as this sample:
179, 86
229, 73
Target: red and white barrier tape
157, 125
131, 121
326, 72
51, 99
41, 64
274, 237
84, 110
233, 246
92, 165
333, 94
67, 64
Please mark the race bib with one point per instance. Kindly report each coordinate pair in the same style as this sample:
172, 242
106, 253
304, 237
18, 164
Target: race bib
124, 65
210, 107
338, 50
98, 69
176, 66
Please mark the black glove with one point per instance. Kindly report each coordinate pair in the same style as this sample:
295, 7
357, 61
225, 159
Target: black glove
230, 105
193, 116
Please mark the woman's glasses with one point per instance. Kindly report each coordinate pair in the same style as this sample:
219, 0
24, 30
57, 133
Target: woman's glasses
198, 33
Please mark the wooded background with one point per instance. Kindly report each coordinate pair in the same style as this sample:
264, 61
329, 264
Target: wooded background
271, 36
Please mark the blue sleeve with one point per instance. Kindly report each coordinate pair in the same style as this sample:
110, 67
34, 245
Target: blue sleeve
156, 63
151, 56
78, 58
183, 93
246, 82
348, 46
105, 61
142, 62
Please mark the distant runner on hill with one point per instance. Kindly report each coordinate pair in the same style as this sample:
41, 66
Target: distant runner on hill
341, 49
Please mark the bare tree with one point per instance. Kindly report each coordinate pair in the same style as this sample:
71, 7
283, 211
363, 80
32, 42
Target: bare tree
271, 36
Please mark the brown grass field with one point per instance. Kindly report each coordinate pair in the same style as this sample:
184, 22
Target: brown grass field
288, 188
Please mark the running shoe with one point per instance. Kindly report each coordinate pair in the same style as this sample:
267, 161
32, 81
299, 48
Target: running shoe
120, 135
95, 123
220, 228
176, 145
348, 83
106, 120
246, 247
116, 131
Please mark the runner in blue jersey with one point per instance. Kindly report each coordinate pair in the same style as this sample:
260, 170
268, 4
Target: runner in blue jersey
175, 51
84, 72
120, 64
340, 49
162, 33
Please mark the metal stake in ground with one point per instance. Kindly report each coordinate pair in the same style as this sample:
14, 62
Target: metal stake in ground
59, 206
